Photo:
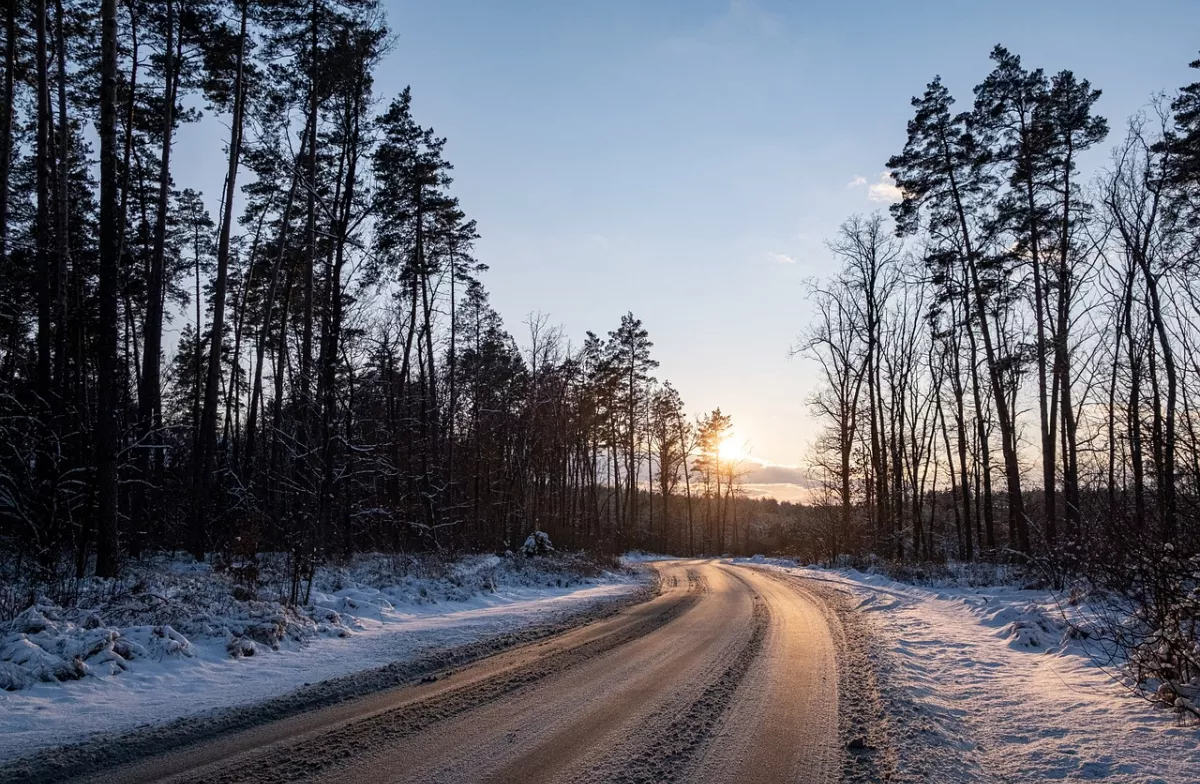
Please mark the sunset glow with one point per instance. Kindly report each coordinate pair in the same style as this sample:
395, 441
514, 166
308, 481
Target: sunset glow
733, 447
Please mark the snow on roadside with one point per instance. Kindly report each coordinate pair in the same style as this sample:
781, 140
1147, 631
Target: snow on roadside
196, 648
638, 557
997, 675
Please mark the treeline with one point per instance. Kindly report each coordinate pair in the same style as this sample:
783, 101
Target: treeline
315, 369
1009, 364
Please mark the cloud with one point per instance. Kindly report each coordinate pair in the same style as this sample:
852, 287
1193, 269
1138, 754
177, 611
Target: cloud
781, 258
774, 474
857, 182
764, 479
782, 492
885, 191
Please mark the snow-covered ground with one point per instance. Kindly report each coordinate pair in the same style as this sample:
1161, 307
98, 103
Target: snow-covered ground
990, 684
638, 557
196, 647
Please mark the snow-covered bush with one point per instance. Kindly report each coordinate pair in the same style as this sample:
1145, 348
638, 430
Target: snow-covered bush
537, 543
1143, 614
47, 643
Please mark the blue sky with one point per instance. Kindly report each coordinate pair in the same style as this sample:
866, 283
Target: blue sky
686, 159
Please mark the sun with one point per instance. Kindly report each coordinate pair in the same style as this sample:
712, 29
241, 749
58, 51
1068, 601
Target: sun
732, 448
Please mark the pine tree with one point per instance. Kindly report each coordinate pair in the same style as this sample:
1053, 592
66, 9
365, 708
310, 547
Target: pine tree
943, 173
630, 346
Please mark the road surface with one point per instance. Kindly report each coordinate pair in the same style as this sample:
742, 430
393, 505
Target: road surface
728, 675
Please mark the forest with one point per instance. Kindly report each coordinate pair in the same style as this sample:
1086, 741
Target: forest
308, 362
315, 369
1008, 360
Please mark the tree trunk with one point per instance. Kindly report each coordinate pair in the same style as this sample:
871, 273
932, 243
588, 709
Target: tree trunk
1062, 366
43, 161
1166, 466
204, 459
6, 120
1008, 436
150, 399
265, 329
1046, 430
63, 200
107, 546
310, 260
332, 332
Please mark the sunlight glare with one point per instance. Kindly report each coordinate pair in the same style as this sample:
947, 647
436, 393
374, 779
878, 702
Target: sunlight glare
732, 448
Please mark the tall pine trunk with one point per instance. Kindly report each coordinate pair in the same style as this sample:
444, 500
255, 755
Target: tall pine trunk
107, 383
42, 230
150, 397
205, 458
6, 119
1008, 432
264, 331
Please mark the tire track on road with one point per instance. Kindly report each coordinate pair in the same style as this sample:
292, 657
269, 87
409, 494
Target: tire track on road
669, 740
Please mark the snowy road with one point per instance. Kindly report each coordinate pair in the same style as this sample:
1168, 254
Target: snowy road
728, 675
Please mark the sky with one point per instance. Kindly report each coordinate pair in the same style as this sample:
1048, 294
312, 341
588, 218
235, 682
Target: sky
687, 159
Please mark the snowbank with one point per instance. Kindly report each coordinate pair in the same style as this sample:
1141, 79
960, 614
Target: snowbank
1006, 679
175, 638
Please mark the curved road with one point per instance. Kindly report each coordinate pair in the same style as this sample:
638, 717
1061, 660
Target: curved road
728, 675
